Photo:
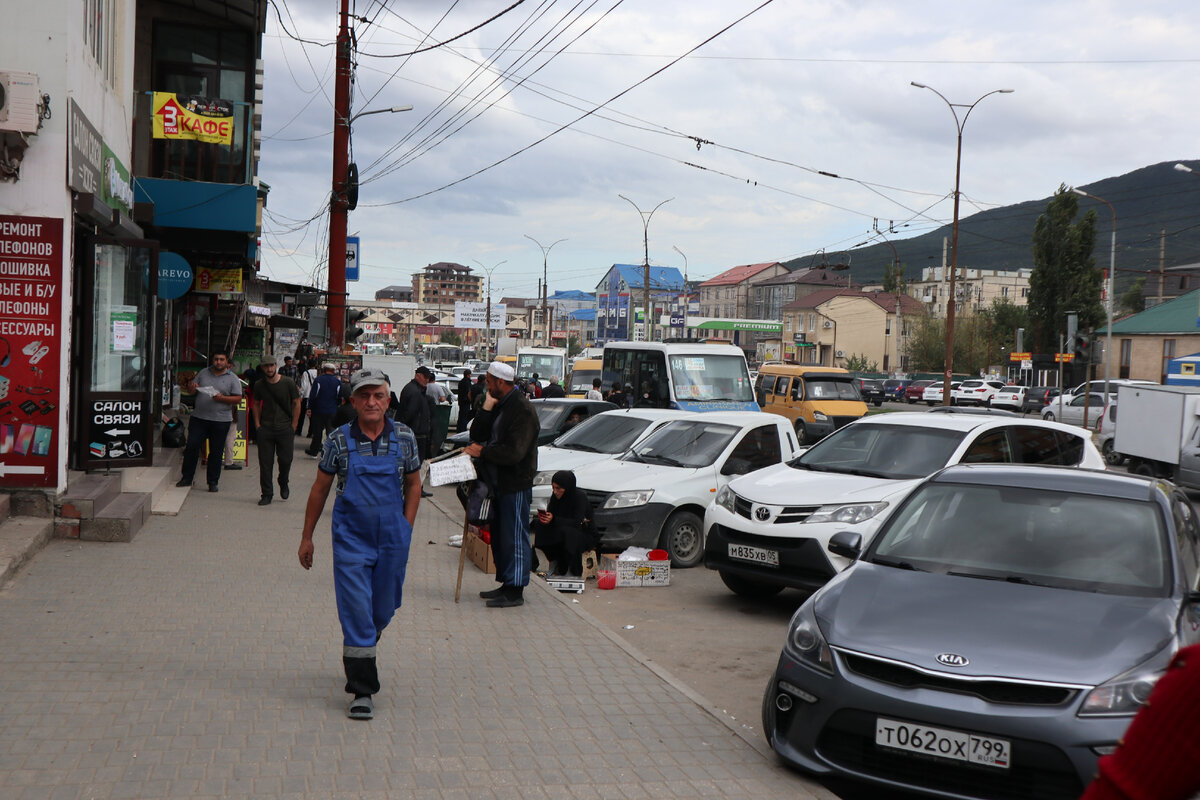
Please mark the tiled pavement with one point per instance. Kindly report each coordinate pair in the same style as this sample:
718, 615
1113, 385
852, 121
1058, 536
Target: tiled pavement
200, 661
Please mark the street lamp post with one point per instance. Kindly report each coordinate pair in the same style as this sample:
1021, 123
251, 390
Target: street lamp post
1110, 285
950, 303
686, 295
645, 260
545, 255
488, 312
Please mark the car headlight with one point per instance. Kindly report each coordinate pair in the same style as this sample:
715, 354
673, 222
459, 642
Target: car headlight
629, 499
805, 640
543, 478
851, 514
820, 417
1129, 691
725, 499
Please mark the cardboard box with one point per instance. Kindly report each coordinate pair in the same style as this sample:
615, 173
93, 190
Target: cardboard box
478, 551
639, 573
590, 563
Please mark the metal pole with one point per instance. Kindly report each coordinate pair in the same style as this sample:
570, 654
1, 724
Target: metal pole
1109, 288
686, 295
545, 255
645, 259
338, 210
950, 302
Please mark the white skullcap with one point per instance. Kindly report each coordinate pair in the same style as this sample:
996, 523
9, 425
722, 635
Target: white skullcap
498, 369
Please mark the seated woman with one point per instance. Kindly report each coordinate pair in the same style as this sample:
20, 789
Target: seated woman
560, 531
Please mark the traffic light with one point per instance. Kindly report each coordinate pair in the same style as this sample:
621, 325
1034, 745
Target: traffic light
353, 331
1083, 349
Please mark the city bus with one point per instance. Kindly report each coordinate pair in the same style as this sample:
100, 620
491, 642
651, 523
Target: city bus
546, 362
692, 376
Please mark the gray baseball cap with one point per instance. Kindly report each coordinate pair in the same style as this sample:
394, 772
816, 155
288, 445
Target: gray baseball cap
368, 377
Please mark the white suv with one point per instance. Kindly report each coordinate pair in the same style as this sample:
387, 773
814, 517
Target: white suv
769, 530
976, 392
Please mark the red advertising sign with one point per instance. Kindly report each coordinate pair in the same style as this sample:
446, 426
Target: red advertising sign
31, 341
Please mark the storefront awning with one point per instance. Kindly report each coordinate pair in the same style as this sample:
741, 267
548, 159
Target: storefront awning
281, 321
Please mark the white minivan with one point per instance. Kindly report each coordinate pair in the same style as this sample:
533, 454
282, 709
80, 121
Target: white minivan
655, 494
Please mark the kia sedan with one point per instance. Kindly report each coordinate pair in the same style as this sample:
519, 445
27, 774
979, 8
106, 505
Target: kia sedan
996, 636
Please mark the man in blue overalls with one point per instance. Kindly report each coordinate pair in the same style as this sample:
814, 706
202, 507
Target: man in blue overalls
378, 471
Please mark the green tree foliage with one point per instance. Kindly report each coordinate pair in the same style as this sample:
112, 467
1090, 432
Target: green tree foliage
573, 345
982, 339
893, 279
450, 337
857, 362
1134, 298
1064, 276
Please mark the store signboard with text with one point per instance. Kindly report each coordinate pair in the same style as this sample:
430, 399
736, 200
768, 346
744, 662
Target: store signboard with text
31, 341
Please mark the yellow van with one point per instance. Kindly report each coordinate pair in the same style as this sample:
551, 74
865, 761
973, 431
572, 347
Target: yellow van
818, 400
583, 371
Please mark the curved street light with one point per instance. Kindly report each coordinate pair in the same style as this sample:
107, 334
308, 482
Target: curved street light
959, 124
488, 312
545, 286
687, 297
645, 260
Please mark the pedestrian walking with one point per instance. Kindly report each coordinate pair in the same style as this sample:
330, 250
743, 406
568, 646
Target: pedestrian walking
217, 391
290, 371
594, 392
504, 442
276, 408
415, 411
553, 390
322, 405
465, 410
307, 379
377, 467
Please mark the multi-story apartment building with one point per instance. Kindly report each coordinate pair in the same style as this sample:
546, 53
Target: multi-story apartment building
446, 282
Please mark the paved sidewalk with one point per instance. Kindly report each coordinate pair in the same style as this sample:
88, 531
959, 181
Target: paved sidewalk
200, 661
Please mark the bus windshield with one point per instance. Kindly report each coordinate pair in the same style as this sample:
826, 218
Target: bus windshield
703, 377
546, 366
581, 380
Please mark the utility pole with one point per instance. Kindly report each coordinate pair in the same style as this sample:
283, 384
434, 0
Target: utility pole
686, 296
338, 206
545, 255
645, 260
488, 313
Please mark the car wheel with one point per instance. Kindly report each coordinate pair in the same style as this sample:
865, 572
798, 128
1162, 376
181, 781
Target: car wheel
878, 403
1142, 468
801, 432
1111, 456
1048, 416
683, 539
747, 587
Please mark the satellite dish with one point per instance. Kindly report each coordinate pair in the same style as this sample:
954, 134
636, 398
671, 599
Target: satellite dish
352, 186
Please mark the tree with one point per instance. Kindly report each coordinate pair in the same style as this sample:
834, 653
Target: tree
857, 362
1064, 276
450, 337
1134, 299
927, 345
573, 346
893, 279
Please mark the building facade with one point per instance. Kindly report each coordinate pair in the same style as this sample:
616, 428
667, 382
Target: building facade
977, 289
620, 295
445, 283
831, 326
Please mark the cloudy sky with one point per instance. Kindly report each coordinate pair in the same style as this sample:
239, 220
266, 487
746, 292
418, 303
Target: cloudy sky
536, 123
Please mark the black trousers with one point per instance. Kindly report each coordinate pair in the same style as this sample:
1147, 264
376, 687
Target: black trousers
274, 442
199, 432
318, 426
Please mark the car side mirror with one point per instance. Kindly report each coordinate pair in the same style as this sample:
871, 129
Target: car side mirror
847, 544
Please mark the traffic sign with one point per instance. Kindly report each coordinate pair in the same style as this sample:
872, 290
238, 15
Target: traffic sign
1020, 356
1064, 357
352, 243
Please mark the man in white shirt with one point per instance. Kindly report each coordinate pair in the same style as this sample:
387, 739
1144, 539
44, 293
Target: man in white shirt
306, 382
594, 393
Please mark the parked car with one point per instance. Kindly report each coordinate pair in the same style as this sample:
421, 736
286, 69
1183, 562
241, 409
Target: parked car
599, 437
655, 494
1070, 409
976, 392
1009, 396
768, 531
817, 400
933, 392
893, 388
555, 417
916, 391
1084, 580
1037, 397
1113, 383
871, 391
996, 412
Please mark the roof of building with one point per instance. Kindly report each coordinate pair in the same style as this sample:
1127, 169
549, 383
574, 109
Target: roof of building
583, 314
885, 300
738, 274
445, 265
572, 294
816, 275
660, 277
1177, 315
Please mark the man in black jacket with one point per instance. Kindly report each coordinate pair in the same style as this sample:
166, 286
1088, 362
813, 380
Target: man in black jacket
504, 440
465, 410
415, 410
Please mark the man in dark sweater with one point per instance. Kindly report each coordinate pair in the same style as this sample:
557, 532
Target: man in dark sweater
504, 438
322, 405
416, 412
276, 408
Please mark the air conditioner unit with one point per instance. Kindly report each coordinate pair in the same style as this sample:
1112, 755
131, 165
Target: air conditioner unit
840, 354
827, 324
20, 102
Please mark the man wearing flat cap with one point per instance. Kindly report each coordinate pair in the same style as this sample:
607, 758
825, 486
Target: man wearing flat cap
504, 438
378, 474
416, 410
276, 409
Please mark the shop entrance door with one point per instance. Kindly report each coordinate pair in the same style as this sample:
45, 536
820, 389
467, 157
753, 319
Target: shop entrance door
115, 421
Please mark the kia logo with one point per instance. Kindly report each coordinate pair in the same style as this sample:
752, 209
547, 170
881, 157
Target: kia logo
952, 660
762, 513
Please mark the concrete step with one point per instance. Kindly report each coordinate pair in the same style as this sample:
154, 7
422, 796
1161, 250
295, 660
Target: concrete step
88, 493
118, 521
5, 506
20, 538
171, 501
154, 481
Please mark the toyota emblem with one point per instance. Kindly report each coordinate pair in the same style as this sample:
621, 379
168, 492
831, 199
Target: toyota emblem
762, 513
952, 660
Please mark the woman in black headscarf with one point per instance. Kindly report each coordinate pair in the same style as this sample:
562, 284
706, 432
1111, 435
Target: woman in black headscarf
563, 531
